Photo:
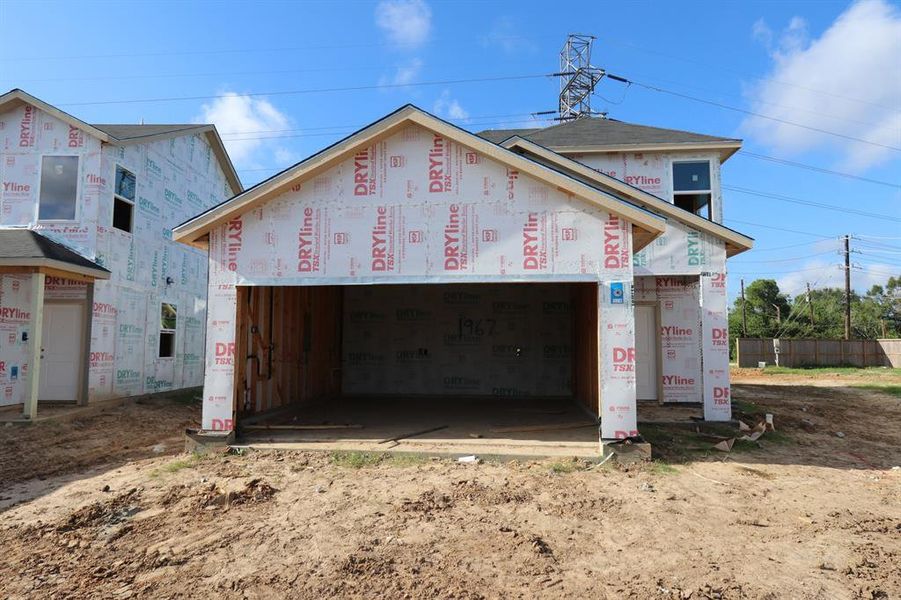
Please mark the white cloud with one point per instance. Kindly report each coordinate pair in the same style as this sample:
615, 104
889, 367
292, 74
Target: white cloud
449, 108
242, 121
405, 22
504, 35
845, 81
404, 74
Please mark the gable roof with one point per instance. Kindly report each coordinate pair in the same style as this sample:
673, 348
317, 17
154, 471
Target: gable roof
595, 134
735, 241
646, 225
28, 248
121, 135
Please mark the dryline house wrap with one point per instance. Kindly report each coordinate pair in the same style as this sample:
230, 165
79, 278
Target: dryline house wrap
90, 287
414, 201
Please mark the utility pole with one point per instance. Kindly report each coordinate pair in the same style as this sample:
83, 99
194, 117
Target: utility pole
810, 306
847, 287
744, 315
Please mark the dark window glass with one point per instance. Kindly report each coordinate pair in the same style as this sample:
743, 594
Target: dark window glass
59, 188
122, 214
125, 184
690, 176
167, 344
698, 204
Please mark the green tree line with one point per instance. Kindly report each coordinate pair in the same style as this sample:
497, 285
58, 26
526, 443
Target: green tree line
819, 315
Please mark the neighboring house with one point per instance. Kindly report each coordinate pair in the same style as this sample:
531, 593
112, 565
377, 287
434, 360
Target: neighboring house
96, 300
415, 258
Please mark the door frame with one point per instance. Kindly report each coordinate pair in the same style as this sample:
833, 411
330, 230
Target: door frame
87, 303
655, 304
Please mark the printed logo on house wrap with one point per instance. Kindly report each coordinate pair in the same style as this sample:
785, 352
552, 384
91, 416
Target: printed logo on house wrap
233, 242
309, 241
439, 159
26, 127
616, 254
623, 359
382, 250
225, 353
455, 258
720, 395
695, 249
534, 250
364, 176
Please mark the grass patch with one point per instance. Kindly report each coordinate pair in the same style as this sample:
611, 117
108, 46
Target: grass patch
893, 390
747, 408
853, 371
658, 467
353, 459
561, 467
180, 464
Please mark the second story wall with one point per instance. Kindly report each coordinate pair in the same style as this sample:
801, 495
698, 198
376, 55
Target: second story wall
681, 250
28, 134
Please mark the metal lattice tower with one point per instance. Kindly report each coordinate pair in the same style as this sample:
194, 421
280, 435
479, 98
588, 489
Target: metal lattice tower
577, 77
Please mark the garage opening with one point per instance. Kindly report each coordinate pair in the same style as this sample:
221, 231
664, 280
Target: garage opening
499, 365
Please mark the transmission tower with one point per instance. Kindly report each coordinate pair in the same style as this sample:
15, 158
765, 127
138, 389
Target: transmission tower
577, 77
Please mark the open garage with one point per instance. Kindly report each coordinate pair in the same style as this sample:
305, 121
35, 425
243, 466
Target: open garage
479, 361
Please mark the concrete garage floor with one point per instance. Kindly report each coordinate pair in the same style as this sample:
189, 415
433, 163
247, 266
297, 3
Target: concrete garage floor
469, 423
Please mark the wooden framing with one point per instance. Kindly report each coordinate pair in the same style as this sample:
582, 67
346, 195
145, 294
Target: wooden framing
30, 409
195, 231
287, 346
586, 347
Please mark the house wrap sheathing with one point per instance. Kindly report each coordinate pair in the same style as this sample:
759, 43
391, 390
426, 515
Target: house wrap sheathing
397, 218
177, 174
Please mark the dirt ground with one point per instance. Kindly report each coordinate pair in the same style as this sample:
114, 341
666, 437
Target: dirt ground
108, 507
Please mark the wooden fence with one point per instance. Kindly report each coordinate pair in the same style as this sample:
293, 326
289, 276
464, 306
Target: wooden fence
819, 353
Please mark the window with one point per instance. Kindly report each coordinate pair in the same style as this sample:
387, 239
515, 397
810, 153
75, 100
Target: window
59, 188
168, 320
691, 187
124, 199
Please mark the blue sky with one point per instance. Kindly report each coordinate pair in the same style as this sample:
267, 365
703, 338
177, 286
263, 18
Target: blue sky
830, 66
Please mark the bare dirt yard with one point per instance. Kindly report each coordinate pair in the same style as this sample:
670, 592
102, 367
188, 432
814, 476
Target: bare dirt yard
109, 507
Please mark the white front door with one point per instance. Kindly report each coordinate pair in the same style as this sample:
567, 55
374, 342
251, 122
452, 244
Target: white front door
646, 351
61, 364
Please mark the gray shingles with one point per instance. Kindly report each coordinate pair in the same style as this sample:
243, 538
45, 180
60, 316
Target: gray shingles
602, 132
29, 244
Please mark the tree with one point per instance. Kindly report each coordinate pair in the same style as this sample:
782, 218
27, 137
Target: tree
765, 307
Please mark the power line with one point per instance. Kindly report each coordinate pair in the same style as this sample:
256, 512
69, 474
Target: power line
356, 88
841, 209
819, 235
792, 163
787, 246
671, 56
654, 88
805, 257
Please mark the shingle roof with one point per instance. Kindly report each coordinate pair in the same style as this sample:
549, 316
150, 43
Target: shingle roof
499, 135
599, 132
129, 132
29, 248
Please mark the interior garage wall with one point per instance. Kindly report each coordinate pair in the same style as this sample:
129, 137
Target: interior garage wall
473, 340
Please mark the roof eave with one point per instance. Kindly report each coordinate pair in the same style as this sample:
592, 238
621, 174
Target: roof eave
15, 97
725, 149
42, 263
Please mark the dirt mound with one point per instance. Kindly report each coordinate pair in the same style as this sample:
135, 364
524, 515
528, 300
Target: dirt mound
255, 491
103, 514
